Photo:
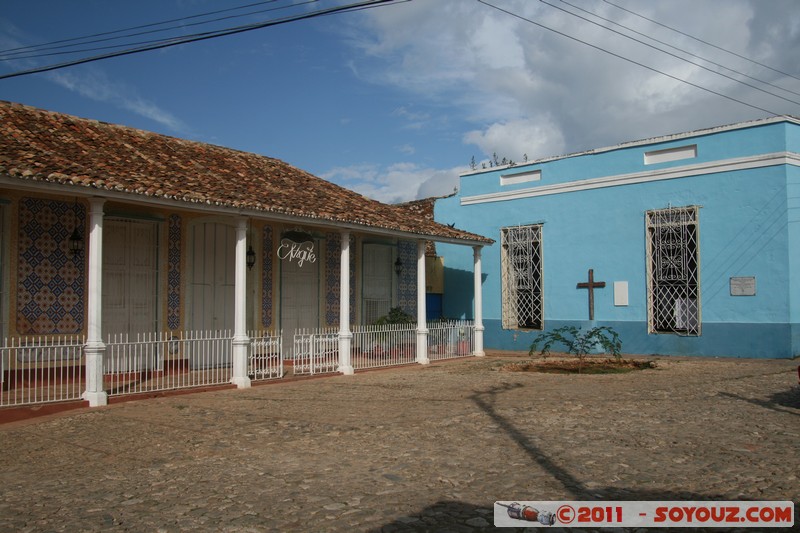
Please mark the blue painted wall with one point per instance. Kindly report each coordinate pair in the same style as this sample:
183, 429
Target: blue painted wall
749, 226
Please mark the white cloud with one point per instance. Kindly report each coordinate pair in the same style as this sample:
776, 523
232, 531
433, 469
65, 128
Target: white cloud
513, 140
414, 119
406, 149
529, 90
96, 85
399, 182
440, 183
91, 82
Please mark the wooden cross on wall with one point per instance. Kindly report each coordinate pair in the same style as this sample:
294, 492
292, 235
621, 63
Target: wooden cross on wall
591, 285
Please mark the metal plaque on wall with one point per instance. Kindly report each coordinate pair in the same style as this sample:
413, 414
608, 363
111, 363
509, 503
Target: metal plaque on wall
743, 286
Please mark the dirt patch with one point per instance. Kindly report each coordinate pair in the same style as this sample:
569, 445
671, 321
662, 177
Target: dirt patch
573, 366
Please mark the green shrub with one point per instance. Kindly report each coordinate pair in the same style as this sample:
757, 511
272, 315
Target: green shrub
579, 343
396, 316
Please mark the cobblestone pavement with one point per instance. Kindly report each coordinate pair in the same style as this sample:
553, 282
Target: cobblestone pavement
410, 449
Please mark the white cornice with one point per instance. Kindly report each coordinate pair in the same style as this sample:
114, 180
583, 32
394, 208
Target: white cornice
642, 142
726, 165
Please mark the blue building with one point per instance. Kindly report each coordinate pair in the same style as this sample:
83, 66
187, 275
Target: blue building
688, 243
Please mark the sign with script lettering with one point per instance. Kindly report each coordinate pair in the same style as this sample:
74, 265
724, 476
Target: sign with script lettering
301, 252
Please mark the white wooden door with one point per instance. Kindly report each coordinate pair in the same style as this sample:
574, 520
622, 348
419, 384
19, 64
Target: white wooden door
377, 289
212, 284
130, 290
300, 297
130, 277
212, 277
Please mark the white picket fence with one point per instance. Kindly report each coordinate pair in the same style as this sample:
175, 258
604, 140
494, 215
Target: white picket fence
316, 351
51, 369
167, 361
164, 361
381, 346
41, 370
266, 355
449, 339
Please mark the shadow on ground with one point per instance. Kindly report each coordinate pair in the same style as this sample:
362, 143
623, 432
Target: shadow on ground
457, 516
462, 517
783, 402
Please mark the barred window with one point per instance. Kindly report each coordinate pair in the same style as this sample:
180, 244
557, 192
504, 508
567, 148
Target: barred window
673, 271
521, 258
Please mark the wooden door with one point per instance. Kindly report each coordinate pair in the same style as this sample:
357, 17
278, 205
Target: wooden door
377, 288
212, 277
130, 277
130, 291
300, 298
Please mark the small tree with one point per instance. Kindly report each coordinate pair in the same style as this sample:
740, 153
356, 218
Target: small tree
396, 316
577, 343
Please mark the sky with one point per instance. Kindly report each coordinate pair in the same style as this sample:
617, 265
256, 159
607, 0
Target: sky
396, 101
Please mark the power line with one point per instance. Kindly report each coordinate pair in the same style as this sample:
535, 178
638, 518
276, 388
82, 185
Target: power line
701, 40
681, 49
357, 6
670, 53
48, 46
139, 43
625, 58
34, 54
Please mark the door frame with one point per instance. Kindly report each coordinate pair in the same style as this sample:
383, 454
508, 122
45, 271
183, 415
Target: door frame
318, 266
252, 277
157, 227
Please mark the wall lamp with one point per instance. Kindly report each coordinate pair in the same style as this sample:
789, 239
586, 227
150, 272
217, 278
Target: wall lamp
251, 257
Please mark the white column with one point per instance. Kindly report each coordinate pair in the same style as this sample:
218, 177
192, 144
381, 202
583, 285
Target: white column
345, 335
476, 256
241, 342
422, 320
95, 349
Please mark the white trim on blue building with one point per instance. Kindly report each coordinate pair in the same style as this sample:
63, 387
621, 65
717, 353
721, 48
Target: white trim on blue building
741, 182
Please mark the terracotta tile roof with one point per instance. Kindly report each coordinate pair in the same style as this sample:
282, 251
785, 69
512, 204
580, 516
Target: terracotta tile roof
43, 146
424, 207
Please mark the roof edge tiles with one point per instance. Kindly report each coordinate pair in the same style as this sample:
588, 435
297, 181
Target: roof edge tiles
44, 147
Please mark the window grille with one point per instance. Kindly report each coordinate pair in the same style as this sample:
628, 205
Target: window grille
521, 258
673, 271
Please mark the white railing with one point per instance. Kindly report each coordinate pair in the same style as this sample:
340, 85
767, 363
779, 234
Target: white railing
164, 361
379, 346
450, 339
41, 370
315, 351
266, 355
51, 369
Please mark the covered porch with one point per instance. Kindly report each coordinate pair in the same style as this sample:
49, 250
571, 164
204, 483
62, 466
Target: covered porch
155, 312
133, 262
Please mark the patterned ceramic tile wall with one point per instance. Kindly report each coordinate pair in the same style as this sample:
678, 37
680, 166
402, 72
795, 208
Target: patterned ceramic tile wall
407, 294
333, 278
174, 273
266, 277
51, 290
